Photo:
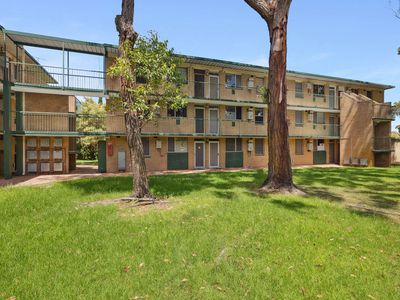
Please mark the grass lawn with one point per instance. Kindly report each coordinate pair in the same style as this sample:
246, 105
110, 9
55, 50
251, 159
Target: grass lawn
217, 240
87, 162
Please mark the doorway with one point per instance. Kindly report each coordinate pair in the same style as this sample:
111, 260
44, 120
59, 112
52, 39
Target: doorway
213, 121
199, 115
214, 154
199, 155
214, 86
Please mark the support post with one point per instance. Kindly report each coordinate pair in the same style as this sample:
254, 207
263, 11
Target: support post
7, 138
63, 66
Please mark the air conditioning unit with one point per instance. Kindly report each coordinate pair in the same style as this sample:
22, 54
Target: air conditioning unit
341, 89
310, 116
250, 83
250, 114
310, 146
250, 145
158, 144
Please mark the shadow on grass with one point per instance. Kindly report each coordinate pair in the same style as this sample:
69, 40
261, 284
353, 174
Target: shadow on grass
293, 205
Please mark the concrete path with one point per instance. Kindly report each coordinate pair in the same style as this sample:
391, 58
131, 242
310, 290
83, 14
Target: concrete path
83, 172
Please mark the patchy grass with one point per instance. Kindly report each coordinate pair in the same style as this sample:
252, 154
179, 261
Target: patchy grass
218, 240
87, 162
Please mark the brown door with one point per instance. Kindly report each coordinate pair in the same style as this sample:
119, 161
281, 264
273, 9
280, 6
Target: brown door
1, 163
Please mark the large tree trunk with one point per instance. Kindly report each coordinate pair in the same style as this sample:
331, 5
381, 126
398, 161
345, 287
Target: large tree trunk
275, 13
134, 136
127, 34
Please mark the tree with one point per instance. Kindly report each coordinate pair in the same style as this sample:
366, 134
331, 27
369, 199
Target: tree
275, 14
91, 119
155, 64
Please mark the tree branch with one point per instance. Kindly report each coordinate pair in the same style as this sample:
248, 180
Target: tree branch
124, 22
265, 8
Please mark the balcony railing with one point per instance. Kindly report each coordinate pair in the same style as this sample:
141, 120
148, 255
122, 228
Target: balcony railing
216, 91
191, 126
314, 130
383, 144
59, 122
56, 77
383, 111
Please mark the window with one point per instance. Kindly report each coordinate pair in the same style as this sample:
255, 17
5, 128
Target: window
319, 90
233, 145
259, 147
299, 90
299, 147
369, 94
146, 146
319, 118
177, 145
141, 79
233, 81
355, 91
183, 74
180, 113
233, 112
259, 115
259, 85
299, 118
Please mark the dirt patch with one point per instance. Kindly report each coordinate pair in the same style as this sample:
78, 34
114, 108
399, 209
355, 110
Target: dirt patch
126, 204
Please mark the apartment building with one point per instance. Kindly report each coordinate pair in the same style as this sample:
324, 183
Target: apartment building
331, 120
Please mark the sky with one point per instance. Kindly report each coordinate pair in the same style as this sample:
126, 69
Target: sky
355, 39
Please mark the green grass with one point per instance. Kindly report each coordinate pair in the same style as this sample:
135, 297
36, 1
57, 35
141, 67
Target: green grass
87, 162
218, 240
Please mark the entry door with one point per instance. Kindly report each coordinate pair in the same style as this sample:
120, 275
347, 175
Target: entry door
199, 117
199, 78
332, 97
214, 86
332, 128
214, 124
199, 154
121, 161
214, 154
332, 155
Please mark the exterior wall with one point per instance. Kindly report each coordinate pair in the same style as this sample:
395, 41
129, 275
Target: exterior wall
356, 129
395, 159
305, 159
46, 103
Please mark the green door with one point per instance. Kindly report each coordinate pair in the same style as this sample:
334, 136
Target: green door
102, 167
234, 160
319, 157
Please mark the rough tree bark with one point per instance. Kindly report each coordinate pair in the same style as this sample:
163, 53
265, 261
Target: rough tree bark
127, 34
279, 179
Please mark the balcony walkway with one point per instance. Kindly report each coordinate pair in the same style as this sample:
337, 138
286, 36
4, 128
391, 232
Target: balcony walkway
84, 172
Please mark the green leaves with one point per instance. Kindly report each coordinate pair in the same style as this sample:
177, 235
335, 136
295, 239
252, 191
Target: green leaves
150, 71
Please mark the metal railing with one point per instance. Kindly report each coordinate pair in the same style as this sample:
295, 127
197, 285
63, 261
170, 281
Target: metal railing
383, 111
216, 91
60, 122
383, 144
57, 77
191, 126
314, 129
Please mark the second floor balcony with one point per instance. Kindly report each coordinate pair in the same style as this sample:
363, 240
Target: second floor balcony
383, 144
51, 77
73, 124
382, 111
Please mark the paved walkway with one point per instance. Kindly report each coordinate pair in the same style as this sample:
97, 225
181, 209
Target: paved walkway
91, 172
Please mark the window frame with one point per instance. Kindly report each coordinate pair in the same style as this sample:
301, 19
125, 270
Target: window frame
299, 93
144, 138
237, 112
262, 153
238, 145
296, 113
174, 140
180, 113
318, 86
297, 147
185, 80
237, 83
260, 109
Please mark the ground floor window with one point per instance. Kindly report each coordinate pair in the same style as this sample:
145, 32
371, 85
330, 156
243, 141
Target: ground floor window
299, 147
234, 145
259, 147
177, 145
146, 146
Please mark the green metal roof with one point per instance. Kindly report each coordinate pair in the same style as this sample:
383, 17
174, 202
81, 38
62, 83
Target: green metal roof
58, 43
226, 63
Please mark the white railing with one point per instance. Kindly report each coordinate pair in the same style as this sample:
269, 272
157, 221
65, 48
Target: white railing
56, 77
